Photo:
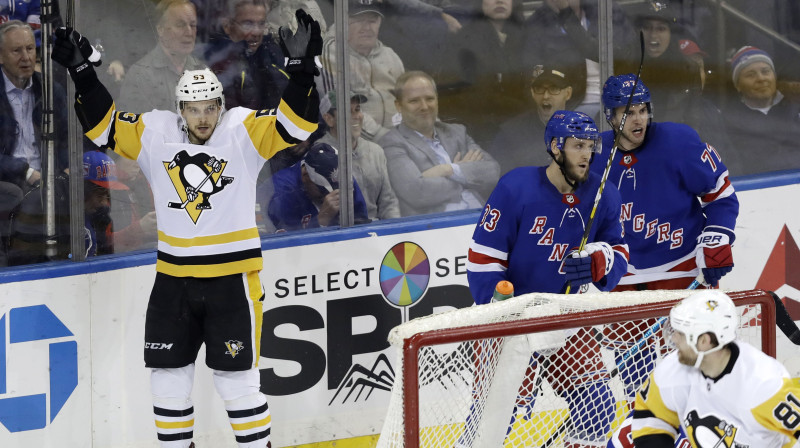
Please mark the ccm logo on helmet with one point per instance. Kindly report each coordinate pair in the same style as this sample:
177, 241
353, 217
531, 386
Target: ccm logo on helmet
158, 346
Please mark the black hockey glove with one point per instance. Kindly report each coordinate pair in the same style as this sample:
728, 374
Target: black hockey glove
302, 48
74, 52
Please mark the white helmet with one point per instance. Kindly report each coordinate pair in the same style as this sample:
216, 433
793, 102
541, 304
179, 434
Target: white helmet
708, 311
199, 85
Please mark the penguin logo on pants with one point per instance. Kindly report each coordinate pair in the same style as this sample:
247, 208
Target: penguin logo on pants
196, 178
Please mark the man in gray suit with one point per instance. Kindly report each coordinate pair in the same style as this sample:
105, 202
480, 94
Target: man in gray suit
433, 166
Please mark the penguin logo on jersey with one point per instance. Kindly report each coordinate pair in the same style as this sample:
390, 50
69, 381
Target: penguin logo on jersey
710, 432
234, 347
196, 178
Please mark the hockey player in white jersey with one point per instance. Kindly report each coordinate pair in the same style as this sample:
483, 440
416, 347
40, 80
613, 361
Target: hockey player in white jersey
722, 392
202, 163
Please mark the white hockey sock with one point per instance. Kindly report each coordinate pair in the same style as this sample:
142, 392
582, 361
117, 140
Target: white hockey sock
250, 420
172, 406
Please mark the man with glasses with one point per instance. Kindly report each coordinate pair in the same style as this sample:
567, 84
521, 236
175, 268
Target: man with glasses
246, 59
550, 90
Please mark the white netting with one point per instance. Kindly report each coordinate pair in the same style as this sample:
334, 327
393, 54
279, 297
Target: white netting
545, 388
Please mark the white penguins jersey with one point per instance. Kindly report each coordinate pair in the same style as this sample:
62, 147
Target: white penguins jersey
204, 195
753, 404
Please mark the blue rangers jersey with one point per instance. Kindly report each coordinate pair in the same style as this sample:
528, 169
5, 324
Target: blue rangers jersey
527, 228
672, 188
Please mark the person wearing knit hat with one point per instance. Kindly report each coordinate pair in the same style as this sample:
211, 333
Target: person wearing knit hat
748, 55
754, 77
761, 119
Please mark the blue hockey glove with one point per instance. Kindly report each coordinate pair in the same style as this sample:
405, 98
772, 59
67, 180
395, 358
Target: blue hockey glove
589, 265
714, 256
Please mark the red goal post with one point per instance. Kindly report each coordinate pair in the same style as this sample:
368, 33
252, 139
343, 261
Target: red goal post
464, 371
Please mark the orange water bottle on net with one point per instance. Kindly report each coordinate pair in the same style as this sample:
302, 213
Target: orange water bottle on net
503, 291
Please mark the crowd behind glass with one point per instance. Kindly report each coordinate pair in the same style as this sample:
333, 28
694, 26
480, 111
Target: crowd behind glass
445, 97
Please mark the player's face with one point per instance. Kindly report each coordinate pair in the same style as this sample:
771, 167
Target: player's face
686, 355
18, 56
419, 105
577, 154
248, 25
656, 37
362, 32
757, 83
635, 126
178, 29
201, 119
549, 98
497, 9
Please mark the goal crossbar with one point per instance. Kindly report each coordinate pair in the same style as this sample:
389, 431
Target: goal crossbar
413, 344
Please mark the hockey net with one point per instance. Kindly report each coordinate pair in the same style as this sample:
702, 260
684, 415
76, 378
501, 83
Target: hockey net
539, 370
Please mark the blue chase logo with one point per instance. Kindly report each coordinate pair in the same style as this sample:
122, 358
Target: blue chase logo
27, 326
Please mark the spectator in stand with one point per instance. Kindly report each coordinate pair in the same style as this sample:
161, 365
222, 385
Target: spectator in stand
21, 145
434, 166
150, 82
666, 69
369, 161
307, 193
374, 66
762, 118
113, 22
27, 11
103, 234
564, 33
512, 147
247, 62
482, 80
134, 204
673, 69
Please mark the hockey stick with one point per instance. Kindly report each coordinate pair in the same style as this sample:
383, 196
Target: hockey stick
611, 155
784, 320
182, 205
626, 356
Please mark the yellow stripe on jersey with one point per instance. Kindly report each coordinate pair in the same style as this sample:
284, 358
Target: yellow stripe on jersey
94, 133
210, 270
255, 292
128, 130
250, 425
174, 425
781, 412
296, 125
648, 399
230, 237
260, 127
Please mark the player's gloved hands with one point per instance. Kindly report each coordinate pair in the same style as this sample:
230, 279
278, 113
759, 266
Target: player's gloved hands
191, 194
72, 50
714, 255
302, 48
589, 265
